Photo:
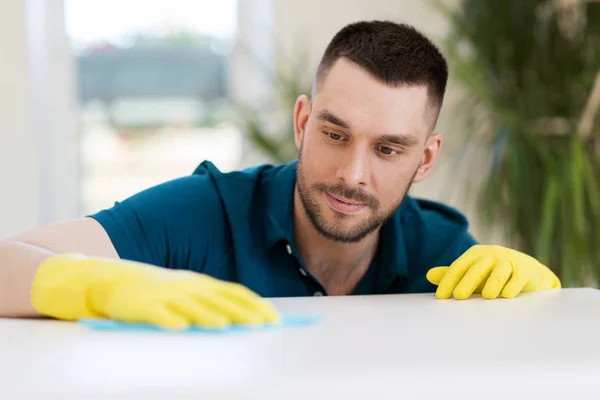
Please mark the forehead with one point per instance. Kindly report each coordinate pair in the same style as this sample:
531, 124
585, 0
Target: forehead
370, 106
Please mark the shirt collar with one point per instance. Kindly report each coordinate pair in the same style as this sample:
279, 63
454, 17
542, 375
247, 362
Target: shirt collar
279, 224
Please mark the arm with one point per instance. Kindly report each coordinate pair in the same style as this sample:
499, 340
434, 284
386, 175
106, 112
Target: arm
459, 266
118, 269
21, 256
492, 271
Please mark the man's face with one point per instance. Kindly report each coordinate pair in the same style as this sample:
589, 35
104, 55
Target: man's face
362, 144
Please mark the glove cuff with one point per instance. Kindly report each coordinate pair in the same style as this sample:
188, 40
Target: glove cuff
60, 288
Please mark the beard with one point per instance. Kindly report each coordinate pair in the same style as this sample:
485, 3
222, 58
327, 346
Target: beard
335, 229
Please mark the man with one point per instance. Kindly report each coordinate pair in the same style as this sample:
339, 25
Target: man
209, 248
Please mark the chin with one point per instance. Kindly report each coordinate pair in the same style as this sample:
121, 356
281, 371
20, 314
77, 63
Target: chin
350, 232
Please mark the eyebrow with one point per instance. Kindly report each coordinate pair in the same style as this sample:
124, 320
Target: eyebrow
407, 140
325, 115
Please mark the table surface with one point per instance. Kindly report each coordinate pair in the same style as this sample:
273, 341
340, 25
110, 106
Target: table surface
541, 344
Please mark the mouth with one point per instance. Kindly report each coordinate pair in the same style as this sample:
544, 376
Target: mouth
344, 206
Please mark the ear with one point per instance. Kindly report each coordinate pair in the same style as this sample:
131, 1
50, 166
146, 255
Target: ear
301, 113
430, 155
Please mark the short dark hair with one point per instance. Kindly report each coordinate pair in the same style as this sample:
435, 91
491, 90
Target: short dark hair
395, 54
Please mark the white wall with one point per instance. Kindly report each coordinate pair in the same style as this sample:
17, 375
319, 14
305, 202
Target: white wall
38, 146
251, 60
18, 167
315, 21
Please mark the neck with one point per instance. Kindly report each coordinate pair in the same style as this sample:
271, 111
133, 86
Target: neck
338, 266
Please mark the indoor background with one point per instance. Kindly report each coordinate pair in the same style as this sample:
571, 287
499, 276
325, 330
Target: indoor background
102, 99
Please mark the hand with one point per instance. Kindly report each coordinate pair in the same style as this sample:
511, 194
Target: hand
492, 271
74, 286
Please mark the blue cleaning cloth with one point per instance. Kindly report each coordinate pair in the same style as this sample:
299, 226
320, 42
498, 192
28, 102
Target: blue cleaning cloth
288, 321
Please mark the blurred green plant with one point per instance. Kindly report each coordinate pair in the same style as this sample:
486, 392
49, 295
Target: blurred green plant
269, 125
530, 70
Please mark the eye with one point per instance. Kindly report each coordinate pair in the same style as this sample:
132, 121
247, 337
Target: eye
387, 151
334, 136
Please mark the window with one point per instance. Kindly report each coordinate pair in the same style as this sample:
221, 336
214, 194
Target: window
152, 90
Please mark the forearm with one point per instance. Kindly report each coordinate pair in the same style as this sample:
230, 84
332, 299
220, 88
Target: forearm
18, 264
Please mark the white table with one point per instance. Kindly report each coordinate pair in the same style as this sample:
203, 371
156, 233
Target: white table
538, 346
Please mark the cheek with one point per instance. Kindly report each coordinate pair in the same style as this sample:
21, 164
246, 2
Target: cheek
315, 141
317, 155
391, 180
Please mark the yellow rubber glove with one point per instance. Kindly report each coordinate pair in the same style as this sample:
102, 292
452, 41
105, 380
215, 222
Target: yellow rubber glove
73, 286
492, 271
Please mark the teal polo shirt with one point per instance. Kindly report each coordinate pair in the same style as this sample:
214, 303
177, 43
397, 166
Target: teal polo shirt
239, 227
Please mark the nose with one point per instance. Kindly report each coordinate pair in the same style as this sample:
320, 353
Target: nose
355, 168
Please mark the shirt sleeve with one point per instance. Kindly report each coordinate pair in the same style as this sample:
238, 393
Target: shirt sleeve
169, 225
448, 244
440, 235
